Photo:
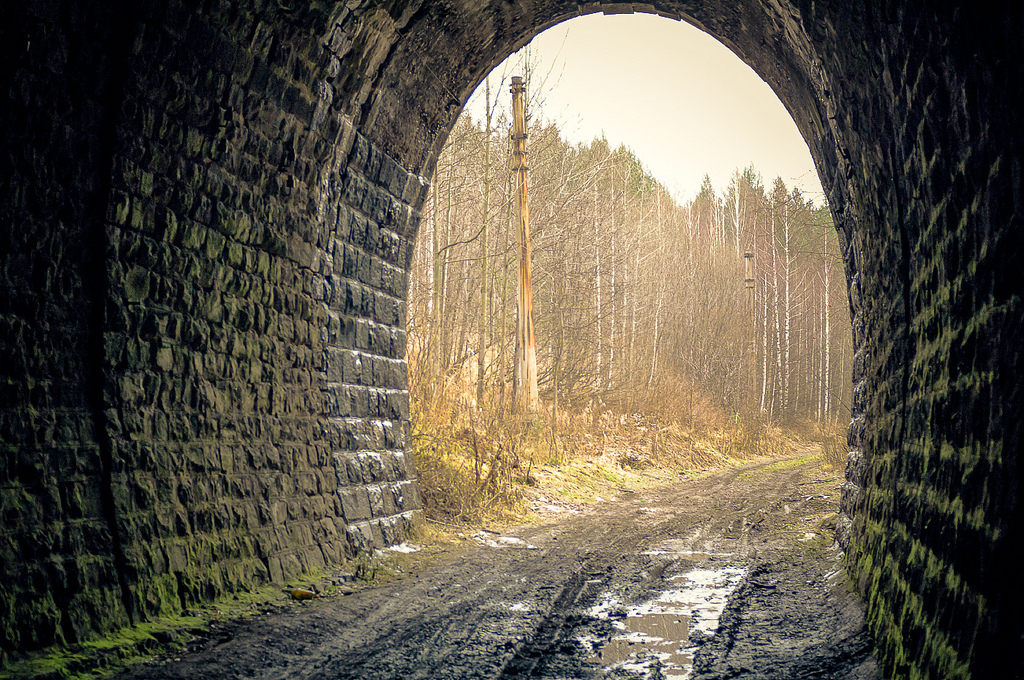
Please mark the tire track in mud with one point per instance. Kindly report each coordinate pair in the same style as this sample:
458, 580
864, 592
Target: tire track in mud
555, 635
515, 612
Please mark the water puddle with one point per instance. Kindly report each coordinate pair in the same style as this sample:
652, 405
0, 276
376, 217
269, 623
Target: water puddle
654, 637
691, 555
501, 541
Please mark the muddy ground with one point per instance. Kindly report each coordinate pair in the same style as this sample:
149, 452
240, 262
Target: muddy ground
630, 588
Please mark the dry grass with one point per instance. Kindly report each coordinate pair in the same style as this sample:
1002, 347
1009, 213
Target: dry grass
832, 439
477, 463
835, 449
470, 463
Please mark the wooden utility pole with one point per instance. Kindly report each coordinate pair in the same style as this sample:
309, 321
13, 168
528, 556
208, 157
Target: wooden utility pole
749, 281
525, 378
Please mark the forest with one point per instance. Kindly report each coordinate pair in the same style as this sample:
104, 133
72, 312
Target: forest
643, 304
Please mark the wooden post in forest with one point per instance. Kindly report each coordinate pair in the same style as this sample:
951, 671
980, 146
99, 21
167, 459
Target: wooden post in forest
749, 281
525, 375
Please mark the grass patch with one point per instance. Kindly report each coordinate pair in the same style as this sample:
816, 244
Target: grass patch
792, 462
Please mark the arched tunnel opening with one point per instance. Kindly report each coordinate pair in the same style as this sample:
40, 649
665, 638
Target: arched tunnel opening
209, 212
640, 302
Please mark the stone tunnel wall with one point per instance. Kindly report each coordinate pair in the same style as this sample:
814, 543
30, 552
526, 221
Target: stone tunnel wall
936, 152
203, 327
58, 563
208, 217
255, 331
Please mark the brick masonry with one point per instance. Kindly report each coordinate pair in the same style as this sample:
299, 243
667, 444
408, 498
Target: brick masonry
204, 328
208, 214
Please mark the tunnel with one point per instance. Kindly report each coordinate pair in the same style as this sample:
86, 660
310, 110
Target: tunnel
208, 214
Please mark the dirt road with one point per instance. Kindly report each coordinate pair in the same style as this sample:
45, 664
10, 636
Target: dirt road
626, 589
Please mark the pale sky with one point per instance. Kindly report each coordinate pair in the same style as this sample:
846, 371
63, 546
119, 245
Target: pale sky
677, 97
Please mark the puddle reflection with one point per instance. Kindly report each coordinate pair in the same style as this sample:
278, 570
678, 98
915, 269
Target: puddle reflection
649, 636
654, 636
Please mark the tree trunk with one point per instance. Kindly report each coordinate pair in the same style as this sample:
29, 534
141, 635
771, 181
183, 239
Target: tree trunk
484, 298
826, 353
788, 313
